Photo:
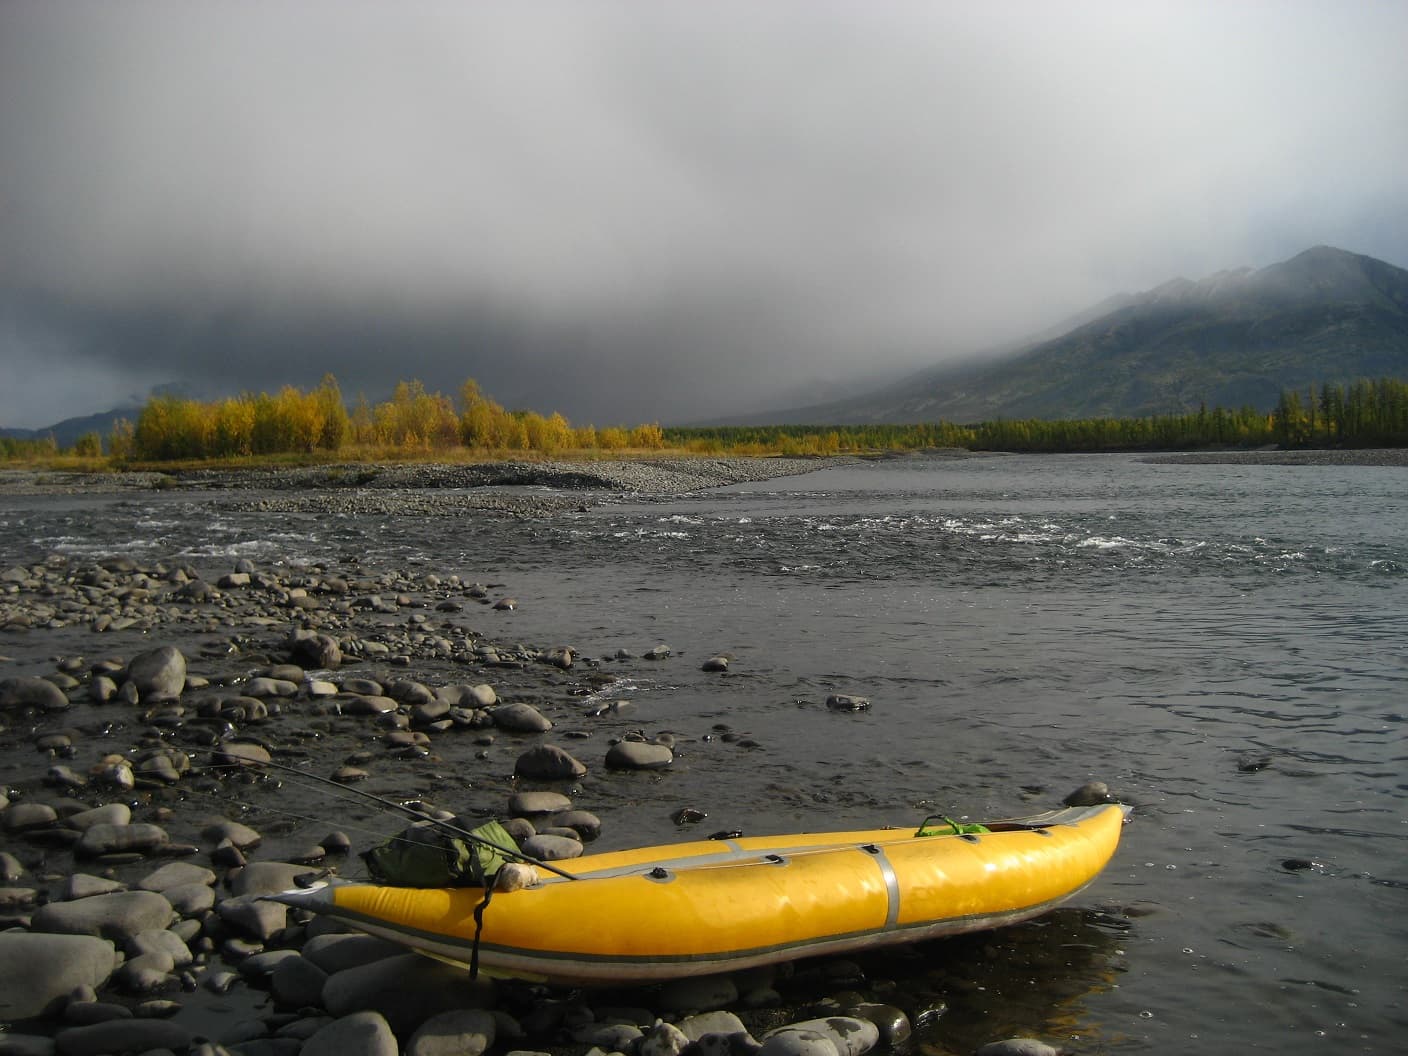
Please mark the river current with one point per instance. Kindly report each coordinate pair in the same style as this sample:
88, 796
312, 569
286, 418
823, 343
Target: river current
1225, 645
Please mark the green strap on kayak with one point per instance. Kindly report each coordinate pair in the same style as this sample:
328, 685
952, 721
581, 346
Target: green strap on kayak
941, 825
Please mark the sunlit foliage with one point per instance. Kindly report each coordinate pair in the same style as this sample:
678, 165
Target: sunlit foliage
417, 423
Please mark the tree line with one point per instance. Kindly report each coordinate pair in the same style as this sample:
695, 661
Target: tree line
1364, 414
412, 422
416, 422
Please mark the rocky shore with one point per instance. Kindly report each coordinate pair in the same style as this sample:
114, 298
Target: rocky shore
140, 826
659, 477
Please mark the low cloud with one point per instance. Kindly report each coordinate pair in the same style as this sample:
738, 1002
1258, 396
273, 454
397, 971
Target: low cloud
628, 211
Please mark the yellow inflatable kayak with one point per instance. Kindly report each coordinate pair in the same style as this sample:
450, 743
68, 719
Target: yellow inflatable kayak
686, 909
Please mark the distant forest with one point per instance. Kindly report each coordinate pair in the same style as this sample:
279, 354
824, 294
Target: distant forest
415, 423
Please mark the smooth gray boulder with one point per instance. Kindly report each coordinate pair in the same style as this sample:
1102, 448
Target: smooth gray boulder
849, 1035
158, 674
528, 803
548, 762
123, 1035
462, 1032
297, 982
638, 755
253, 917
109, 814
1017, 1047
266, 878
798, 1043
314, 650
176, 874
137, 838
519, 717
22, 817
407, 990
25, 1044
358, 1034
24, 691
548, 848
39, 971
118, 916
337, 953
242, 836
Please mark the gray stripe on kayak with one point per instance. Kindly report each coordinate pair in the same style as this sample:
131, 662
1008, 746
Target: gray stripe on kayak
892, 882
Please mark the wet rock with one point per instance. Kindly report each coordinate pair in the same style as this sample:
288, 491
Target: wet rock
27, 692
296, 982
715, 663
85, 885
466, 1032
222, 829
548, 762
520, 718
549, 848
253, 917
534, 803
123, 1035
262, 686
793, 1042
460, 696
315, 650
138, 838
25, 1044
158, 674
160, 941
82, 1013
720, 1022
849, 1035
144, 973
1019, 1046
11, 868
176, 874
584, 823
609, 1037
638, 755
118, 916
846, 702
663, 1039
242, 753
39, 971
702, 993
1090, 794
339, 952
658, 652
363, 1033
892, 1023
109, 814
26, 817
412, 694
407, 990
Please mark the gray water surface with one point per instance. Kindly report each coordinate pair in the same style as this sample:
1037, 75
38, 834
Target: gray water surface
1223, 644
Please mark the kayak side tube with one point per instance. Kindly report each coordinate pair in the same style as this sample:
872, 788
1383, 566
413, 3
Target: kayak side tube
690, 909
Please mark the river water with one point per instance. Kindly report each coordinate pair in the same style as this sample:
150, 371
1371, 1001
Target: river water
1225, 645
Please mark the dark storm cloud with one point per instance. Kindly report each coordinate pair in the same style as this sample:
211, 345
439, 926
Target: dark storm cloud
646, 210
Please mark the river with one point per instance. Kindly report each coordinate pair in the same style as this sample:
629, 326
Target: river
1225, 645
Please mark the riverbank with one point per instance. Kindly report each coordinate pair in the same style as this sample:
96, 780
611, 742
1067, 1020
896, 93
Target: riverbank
649, 476
137, 830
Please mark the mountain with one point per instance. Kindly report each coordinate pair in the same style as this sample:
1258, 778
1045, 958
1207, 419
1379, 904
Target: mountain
1233, 339
70, 429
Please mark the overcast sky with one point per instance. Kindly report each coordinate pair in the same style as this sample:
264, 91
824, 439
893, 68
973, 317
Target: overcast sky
651, 210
